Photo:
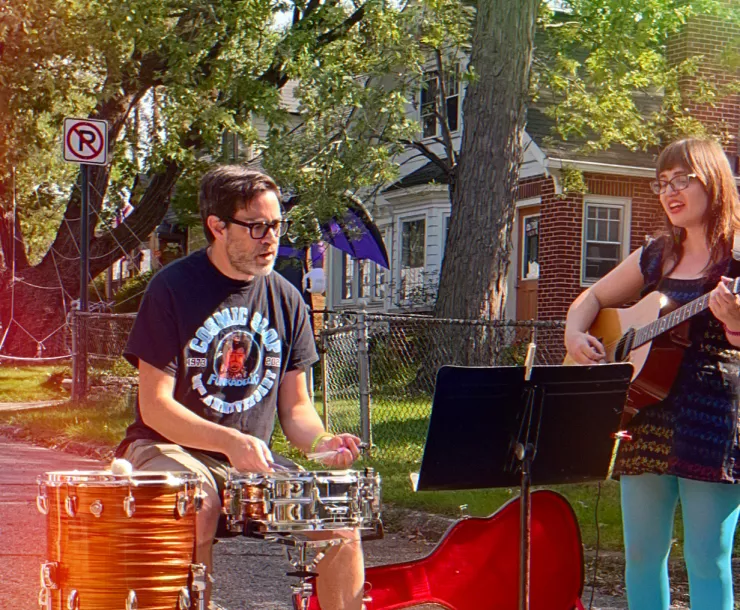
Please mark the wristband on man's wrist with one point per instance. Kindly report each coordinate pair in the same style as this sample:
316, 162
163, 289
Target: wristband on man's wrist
732, 333
320, 437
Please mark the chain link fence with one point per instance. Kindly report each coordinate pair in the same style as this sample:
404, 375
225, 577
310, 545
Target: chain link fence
97, 343
379, 370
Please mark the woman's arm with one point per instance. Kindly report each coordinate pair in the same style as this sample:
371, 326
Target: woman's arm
621, 285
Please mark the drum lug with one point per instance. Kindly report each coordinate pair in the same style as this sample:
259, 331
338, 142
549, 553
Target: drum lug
96, 508
73, 601
132, 602
184, 599
129, 505
182, 503
198, 584
48, 575
44, 599
42, 500
70, 505
198, 500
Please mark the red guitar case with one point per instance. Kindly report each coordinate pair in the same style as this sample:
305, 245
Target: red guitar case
475, 566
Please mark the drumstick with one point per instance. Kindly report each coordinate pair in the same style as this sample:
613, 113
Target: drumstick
322, 455
278, 467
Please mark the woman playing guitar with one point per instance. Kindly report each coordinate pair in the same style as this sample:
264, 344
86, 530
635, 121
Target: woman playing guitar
685, 447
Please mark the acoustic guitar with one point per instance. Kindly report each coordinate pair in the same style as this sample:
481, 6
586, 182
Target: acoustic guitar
475, 566
652, 335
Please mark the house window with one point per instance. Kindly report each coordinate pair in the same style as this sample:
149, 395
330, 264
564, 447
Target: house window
230, 146
413, 238
428, 102
605, 238
365, 269
530, 248
381, 280
348, 274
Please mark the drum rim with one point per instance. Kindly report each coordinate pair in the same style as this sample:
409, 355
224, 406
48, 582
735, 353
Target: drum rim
106, 478
295, 474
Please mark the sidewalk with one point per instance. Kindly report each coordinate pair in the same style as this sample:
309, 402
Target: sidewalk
24, 406
22, 526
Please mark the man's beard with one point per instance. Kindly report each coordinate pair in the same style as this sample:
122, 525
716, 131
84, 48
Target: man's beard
248, 263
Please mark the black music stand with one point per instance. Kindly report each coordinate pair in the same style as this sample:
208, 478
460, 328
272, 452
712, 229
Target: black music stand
489, 424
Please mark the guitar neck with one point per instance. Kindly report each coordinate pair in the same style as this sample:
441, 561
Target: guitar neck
671, 320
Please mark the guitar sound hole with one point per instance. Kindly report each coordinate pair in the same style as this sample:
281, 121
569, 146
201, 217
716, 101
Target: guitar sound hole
624, 347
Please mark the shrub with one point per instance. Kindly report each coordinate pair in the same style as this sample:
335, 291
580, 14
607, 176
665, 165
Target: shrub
128, 298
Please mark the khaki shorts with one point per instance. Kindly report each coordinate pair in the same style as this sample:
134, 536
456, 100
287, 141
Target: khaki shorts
168, 457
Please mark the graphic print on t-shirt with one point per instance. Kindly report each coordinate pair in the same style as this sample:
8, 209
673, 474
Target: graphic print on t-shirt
233, 360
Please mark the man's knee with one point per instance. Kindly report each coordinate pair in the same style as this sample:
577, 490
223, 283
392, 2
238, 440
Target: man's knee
208, 515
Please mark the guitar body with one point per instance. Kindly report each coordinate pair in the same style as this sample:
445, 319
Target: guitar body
475, 566
656, 362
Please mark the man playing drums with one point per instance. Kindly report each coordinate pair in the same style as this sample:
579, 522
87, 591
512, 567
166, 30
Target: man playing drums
222, 344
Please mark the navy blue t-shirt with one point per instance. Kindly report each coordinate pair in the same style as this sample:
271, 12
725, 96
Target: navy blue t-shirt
228, 343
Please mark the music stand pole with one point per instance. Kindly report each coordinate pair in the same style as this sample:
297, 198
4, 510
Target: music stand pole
514, 415
524, 454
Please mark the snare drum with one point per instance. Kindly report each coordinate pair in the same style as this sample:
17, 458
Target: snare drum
120, 541
298, 501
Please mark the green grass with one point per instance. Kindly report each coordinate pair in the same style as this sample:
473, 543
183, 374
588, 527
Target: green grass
102, 421
399, 429
32, 383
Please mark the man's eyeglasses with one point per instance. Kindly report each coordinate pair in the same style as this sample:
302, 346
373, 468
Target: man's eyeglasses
258, 230
678, 183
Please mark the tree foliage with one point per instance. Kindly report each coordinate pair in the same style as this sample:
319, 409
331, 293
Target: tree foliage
602, 72
171, 77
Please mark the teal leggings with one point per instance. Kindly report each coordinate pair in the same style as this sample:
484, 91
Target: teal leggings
710, 512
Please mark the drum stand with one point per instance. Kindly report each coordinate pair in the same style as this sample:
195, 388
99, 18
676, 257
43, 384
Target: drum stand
298, 552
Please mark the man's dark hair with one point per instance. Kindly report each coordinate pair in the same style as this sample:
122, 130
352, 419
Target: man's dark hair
228, 188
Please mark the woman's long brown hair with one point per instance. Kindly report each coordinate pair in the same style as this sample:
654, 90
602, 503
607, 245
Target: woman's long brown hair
706, 159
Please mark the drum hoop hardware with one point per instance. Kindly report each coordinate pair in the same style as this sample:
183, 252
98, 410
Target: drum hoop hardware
129, 504
198, 577
183, 599
199, 496
44, 599
73, 600
70, 503
48, 574
182, 503
42, 499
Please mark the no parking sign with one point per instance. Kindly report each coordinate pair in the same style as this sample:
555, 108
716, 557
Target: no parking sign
85, 141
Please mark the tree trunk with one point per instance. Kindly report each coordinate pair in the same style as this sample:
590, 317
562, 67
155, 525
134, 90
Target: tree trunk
475, 266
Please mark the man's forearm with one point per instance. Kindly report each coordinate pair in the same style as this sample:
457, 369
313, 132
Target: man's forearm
301, 425
180, 425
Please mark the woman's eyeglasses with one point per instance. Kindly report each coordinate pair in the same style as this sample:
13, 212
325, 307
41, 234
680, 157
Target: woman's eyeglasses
258, 230
677, 183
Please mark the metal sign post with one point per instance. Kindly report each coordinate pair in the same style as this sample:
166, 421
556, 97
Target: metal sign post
86, 143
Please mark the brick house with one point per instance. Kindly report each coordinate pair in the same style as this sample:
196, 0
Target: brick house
562, 244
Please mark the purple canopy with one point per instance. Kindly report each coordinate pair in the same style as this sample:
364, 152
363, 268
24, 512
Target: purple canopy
357, 235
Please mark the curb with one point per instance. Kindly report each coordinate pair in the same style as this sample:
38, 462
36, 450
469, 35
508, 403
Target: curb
88, 450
